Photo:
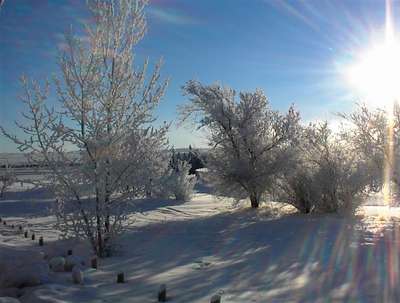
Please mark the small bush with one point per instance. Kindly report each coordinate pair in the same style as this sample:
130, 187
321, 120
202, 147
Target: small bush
177, 182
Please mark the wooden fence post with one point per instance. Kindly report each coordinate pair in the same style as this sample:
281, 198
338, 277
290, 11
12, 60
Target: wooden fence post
215, 299
162, 293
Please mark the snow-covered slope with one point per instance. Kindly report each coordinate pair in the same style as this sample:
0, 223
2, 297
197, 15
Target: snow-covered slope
211, 246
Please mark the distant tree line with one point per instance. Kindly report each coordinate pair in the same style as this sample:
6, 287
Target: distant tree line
30, 165
195, 158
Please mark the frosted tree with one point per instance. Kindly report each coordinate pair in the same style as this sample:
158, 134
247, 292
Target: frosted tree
104, 115
249, 141
146, 152
328, 175
376, 135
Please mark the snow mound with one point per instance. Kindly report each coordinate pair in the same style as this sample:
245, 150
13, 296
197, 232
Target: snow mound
57, 264
10, 292
60, 248
77, 275
50, 293
74, 261
8, 300
21, 268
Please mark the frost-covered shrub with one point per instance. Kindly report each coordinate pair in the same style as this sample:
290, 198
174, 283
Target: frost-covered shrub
375, 134
296, 188
72, 261
177, 182
328, 176
57, 264
77, 275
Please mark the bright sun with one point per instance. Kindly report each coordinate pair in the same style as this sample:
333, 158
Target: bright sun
375, 75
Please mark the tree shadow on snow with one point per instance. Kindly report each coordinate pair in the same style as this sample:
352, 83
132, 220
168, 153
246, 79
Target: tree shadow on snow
246, 257
151, 204
31, 202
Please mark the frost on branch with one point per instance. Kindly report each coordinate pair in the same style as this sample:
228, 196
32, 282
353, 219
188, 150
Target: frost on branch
327, 174
249, 141
375, 133
177, 181
105, 116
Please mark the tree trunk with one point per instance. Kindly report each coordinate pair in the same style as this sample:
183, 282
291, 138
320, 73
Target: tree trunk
254, 201
100, 246
99, 236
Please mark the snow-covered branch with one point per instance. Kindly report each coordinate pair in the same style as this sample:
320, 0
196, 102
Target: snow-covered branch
98, 144
249, 140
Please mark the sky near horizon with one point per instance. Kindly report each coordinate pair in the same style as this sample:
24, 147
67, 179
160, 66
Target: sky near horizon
294, 50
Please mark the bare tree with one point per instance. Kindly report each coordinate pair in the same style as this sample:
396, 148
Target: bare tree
249, 140
105, 115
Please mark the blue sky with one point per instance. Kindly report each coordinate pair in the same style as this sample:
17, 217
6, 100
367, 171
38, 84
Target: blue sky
293, 50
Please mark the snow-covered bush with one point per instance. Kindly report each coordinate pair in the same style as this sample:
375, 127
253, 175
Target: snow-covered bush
73, 261
57, 264
7, 178
177, 182
375, 133
327, 176
249, 141
105, 115
77, 275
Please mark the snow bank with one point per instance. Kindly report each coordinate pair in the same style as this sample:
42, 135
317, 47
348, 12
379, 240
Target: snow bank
8, 300
57, 264
10, 292
21, 267
50, 293
74, 261
77, 275
81, 251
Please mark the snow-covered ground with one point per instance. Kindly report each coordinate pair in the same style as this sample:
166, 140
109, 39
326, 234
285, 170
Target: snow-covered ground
212, 246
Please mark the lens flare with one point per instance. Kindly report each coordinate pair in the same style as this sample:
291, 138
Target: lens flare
375, 74
374, 77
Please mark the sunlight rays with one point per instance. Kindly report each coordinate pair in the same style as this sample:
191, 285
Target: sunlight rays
394, 74
388, 163
374, 76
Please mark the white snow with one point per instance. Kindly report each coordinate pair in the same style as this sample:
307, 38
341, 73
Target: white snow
77, 275
213, 246
57, 264
21, 267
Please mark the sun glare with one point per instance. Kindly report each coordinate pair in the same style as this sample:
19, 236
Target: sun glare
373, 77
375, 72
